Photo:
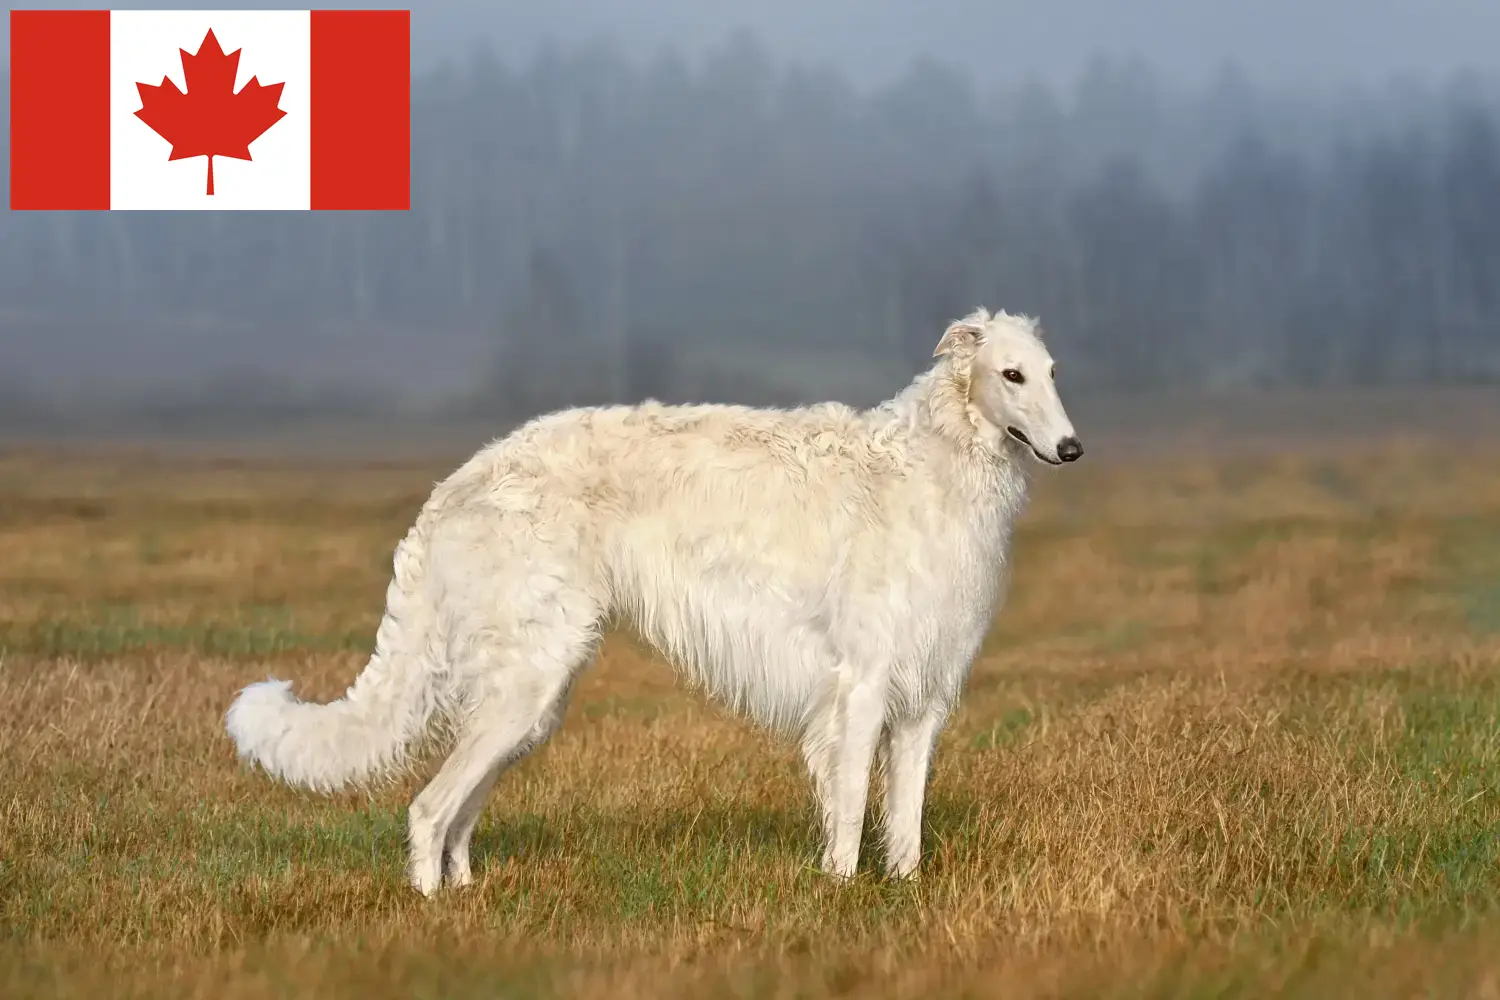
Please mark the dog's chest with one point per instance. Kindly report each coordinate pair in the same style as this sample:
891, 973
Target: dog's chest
956, 587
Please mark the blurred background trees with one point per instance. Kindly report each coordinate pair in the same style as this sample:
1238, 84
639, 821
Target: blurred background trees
589, 228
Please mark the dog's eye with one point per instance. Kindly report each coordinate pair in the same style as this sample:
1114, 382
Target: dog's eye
1052, 374
1013, 375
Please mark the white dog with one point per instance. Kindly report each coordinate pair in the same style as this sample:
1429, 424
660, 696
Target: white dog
824, 570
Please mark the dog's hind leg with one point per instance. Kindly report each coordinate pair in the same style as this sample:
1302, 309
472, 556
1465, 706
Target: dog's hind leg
456, 844
518, 694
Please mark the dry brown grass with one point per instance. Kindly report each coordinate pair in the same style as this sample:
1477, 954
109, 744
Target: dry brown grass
1236, 734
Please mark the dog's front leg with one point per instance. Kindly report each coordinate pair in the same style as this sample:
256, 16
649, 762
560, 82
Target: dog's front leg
860, 715
908, 758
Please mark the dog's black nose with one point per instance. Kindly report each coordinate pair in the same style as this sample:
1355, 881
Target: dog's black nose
1069, 449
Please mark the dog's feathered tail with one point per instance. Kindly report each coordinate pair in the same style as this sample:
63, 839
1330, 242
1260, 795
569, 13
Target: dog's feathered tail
366, 733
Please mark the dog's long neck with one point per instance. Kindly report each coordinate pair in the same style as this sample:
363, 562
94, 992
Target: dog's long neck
935, 408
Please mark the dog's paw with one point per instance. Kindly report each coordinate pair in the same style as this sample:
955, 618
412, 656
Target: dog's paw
425, 879
838, 869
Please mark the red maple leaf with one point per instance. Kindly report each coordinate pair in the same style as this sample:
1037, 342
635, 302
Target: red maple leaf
210, 119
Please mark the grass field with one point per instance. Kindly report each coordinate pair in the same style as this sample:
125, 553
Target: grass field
1237, 733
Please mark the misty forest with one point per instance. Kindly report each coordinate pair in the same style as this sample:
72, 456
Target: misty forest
589, 228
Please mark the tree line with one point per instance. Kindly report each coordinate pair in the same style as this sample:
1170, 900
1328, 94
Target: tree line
601, 219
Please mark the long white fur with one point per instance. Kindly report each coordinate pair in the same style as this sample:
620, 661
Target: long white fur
827, 571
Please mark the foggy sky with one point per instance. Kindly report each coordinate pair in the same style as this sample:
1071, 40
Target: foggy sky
1295, 42
1280, 43
1328, 240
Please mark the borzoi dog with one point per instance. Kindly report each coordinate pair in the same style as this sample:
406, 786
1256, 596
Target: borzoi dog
829, 572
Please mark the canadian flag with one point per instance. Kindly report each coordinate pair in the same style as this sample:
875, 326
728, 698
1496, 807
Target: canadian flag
210, 109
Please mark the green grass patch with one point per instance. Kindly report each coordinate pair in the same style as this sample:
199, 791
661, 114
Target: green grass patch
108, 630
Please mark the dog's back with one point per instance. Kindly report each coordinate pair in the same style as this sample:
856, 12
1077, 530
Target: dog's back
734, 539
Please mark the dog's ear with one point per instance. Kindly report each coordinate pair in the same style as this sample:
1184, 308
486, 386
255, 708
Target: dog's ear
962, 336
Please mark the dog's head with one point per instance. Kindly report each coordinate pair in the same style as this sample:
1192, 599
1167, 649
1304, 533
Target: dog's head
1011, 382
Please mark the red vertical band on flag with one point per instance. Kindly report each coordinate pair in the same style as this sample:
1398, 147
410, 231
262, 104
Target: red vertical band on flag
59, 109
361, 109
